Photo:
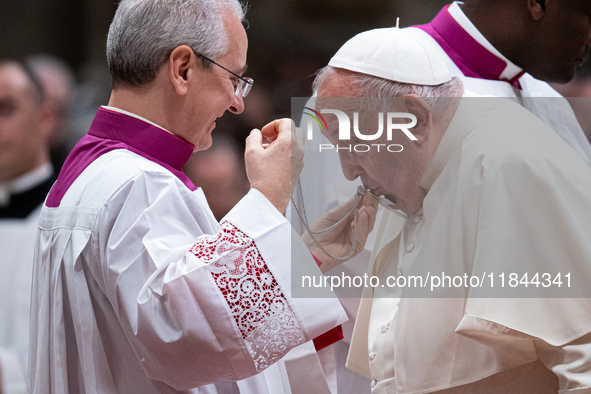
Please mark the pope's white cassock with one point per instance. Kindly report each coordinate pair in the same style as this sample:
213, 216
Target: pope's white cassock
483, 70
502, 196
138, 289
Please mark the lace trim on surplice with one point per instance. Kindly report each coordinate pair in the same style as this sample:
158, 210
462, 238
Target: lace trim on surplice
259, 307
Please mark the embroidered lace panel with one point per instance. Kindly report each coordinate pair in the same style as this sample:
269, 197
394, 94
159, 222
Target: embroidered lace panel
259, 307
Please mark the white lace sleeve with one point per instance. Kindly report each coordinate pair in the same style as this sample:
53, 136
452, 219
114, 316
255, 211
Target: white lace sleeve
259, 307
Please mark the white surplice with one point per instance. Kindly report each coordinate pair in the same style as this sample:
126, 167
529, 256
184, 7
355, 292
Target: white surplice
138, 289
537, 97
503, 193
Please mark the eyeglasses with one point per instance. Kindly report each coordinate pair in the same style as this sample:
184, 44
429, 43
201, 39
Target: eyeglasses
243, 85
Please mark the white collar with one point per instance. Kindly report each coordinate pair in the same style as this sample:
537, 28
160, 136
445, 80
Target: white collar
24, 182
121, 111
458, 128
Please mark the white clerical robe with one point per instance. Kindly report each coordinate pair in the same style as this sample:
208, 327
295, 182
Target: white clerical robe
503, 193
138, 289
325, 186
20, 205
17, 240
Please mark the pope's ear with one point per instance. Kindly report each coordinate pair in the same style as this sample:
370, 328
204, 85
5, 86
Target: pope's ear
179, 68
420, 109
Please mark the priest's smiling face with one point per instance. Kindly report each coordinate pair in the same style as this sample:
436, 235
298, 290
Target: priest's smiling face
214, 92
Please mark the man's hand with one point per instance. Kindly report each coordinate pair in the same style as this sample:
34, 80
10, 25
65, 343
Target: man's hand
273, 169
338, 241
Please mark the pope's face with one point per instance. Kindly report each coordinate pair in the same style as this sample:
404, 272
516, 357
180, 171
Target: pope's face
394, 174
215, 93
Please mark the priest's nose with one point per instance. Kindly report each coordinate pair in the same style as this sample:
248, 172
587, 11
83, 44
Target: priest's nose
237, 105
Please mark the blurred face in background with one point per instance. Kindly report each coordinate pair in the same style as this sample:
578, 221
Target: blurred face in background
24, 124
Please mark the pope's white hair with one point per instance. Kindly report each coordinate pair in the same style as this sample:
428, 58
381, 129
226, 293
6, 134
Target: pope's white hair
144, 33
375, 89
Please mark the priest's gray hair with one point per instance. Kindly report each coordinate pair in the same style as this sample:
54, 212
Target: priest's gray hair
144, 33
375, 89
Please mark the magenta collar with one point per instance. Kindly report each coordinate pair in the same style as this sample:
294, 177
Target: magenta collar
112, 130
469, 55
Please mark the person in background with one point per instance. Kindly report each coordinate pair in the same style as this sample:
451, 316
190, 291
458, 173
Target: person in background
512, 48
26, 176
59, 84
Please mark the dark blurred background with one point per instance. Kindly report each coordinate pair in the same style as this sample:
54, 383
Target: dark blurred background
289, 40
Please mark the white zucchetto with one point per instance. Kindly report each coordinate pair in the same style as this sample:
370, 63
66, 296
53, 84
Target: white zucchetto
392, 54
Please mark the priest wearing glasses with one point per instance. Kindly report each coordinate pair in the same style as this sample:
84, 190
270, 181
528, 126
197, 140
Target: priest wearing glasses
136, 287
